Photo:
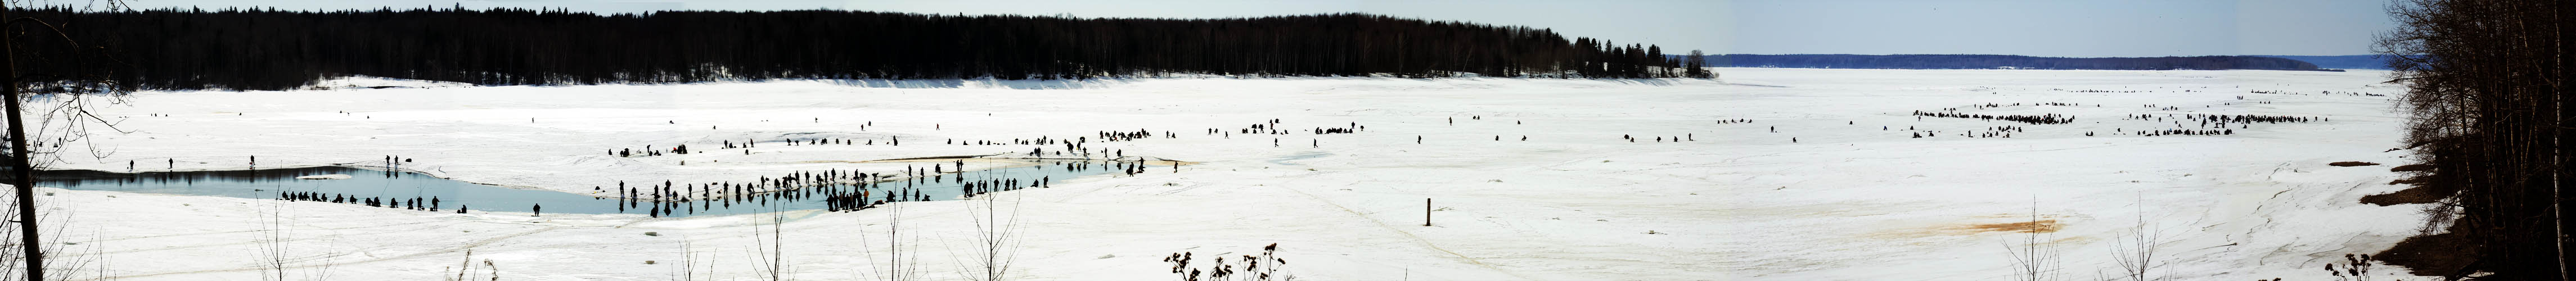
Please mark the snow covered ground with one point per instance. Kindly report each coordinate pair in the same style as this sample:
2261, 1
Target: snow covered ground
1575, 201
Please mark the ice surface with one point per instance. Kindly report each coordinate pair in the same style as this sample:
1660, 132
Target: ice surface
1576, 201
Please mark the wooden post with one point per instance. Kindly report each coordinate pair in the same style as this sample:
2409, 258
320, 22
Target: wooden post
1426, 211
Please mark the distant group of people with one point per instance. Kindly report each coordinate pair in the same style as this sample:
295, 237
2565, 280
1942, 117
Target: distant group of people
1271, 127
649, 151
837, 190
1994, 105
670, 198
2169, 132
1681, 138
1107, 136
2095, 91
2250, 118
415, 203
2318, 92
1344, 130
2031, 119
2221, 121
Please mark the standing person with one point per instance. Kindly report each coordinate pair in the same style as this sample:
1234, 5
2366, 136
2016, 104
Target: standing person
535, 210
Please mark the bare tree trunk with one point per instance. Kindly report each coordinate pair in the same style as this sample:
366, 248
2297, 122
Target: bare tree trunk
2559, 128
18, 163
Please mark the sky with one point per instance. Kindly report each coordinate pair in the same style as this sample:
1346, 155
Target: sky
2066, 28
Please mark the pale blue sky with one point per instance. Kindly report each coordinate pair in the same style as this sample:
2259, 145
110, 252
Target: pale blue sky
2018, 27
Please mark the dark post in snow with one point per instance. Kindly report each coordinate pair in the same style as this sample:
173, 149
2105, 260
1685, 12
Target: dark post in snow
1426, 211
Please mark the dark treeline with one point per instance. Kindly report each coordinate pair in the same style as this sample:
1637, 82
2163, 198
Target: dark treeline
268, 49
2006, 61
2486, 82
2344, 62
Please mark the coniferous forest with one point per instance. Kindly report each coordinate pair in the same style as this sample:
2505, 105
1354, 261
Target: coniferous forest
270, 49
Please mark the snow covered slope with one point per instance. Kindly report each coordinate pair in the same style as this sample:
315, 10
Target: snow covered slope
1853, 198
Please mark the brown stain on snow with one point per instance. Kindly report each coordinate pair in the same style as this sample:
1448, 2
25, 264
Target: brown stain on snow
2014, 225
2040, 226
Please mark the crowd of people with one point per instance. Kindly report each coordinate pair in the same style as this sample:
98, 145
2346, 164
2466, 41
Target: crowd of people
2044, 119
414, 203
848, 190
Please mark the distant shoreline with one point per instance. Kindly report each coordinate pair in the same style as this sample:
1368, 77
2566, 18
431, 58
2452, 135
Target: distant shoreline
1961, 61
